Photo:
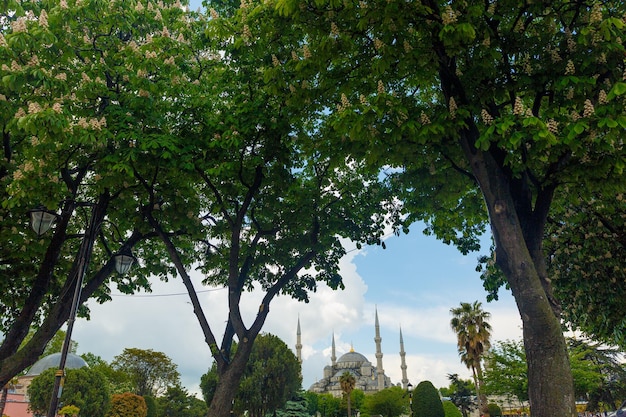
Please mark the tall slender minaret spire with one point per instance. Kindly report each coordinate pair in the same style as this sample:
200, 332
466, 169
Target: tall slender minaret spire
379, 355
333, 358
405, 380
299, 343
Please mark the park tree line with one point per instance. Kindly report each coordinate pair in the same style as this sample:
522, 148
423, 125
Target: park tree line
145, 383
136, 383
247, 140
150, 379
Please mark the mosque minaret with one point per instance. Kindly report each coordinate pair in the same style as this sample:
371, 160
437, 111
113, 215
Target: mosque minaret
405, 379
299, 343
379, 354
333, 358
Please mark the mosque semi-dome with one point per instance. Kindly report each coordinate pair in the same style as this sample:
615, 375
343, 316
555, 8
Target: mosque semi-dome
73, 361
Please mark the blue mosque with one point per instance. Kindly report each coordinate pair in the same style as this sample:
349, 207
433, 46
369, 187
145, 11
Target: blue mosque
369, 378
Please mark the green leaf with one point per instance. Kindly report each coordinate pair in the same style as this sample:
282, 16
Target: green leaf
618, 89
580, 127
605, 121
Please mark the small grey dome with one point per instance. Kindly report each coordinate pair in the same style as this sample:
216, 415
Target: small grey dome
52, 361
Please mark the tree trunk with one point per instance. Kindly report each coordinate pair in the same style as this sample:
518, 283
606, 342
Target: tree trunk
483, 404
228, 382
349, 408
222, 402
3, 399
550, 381
517, 233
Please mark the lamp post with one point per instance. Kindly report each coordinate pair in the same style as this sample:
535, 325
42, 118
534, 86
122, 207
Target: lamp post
409, 388
41, 220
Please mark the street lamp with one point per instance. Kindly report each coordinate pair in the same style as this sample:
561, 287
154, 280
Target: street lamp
41, 221
123, 262
409, 388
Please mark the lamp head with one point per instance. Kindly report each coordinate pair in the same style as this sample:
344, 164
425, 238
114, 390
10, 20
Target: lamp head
123, 262
41, 219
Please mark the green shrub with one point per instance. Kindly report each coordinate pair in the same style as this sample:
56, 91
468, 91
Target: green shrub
84, 388
127, 405
451, 410
426, 401
494, 410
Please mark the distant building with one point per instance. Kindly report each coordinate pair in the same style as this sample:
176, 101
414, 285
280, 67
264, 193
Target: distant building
369, 378
17, 401
16, 406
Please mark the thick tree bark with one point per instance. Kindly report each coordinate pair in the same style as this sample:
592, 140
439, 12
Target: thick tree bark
516, 234
3, 399
228, 382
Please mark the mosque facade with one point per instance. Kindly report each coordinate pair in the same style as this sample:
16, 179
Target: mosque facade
369, 378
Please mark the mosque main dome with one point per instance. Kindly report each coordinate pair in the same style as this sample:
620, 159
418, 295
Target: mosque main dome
352, 357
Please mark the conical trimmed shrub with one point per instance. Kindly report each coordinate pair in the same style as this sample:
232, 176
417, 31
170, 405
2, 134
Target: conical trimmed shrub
426, 401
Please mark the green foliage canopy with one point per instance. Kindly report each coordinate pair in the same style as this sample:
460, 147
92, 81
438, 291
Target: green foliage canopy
597, 371
506, 371
296, 407
390, 402
273, 375
494, 410
325, 404
599, 374
82, 109
177, 402
277, 195
515, 101
461, 394
149, 372
451, 410
583, 243
118, 380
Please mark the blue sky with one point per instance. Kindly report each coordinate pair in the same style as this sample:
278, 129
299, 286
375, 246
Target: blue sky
413, 284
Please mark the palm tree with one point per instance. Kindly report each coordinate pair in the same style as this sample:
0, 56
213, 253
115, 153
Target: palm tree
469, 321
347, 382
